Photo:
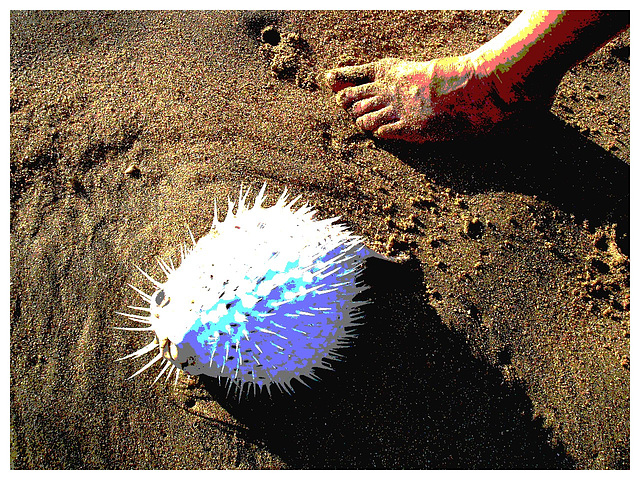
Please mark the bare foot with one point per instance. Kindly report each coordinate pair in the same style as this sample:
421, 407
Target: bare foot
419, 101
451, 97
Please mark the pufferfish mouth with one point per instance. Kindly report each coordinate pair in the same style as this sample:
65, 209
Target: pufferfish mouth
168, 348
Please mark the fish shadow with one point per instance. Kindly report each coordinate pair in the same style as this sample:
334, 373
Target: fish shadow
534, 154
408, 394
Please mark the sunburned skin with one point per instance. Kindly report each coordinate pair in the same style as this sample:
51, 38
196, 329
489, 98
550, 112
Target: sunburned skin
453, 97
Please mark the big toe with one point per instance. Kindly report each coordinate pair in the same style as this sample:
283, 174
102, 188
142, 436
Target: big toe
339, 78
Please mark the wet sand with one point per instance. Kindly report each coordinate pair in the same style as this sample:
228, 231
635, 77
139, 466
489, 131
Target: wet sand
499, 340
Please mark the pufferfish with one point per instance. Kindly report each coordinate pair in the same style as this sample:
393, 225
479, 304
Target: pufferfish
265, 298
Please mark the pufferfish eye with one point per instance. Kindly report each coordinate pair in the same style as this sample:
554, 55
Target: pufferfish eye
160, 298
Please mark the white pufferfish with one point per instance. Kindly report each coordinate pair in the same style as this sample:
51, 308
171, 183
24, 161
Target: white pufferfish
266, 297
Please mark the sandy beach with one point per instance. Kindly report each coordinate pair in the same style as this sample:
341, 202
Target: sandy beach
498, 340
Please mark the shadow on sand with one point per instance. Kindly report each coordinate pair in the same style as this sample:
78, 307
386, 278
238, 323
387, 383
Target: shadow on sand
410, 395
540, 155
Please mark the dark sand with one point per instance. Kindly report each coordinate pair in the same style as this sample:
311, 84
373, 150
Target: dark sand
500, 341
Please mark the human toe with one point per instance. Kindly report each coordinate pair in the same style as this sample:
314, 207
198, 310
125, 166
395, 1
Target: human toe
391, 131
350, 95
344, 77
400, 130
374, 120
368, 105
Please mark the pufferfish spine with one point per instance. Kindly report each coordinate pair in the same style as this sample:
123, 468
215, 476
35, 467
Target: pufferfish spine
266, 297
